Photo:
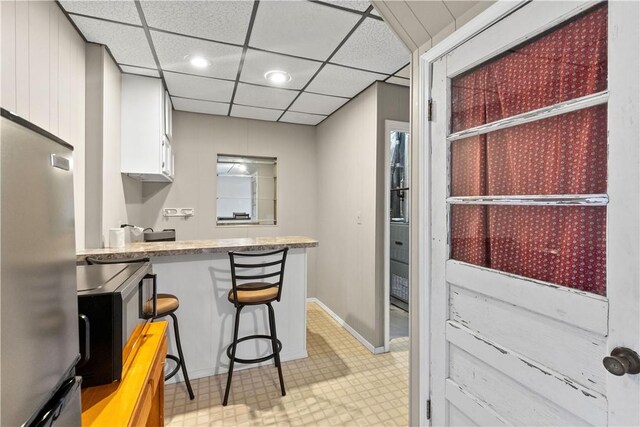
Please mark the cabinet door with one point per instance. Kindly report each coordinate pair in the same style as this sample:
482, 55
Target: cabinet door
167, 116
166, 156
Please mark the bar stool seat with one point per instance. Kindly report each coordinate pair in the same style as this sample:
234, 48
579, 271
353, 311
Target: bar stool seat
166, 305
251, 292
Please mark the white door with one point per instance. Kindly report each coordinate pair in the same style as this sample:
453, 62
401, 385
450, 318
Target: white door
535, 208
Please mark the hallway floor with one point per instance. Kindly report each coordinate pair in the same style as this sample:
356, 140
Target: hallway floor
340, 383
398, 322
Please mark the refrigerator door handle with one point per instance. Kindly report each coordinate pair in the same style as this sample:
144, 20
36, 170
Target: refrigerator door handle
85, 338
56, 405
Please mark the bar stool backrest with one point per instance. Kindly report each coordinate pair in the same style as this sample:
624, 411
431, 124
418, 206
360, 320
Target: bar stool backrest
247, 270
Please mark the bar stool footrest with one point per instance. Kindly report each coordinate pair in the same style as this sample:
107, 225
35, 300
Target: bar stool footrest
176, 369
258, 359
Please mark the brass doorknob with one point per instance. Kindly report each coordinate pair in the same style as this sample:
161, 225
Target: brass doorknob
622, 361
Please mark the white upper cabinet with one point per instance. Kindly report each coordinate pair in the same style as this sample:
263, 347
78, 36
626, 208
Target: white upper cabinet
147, 154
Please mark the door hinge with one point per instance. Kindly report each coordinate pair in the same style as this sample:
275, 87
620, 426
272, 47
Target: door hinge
428, 409
430, 110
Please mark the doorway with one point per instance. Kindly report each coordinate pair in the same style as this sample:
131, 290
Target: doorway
397, 186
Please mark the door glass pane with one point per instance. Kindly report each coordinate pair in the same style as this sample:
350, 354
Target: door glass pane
565, 154
567, 62
564, 245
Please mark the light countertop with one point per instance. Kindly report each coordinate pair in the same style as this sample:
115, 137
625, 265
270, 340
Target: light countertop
188, 247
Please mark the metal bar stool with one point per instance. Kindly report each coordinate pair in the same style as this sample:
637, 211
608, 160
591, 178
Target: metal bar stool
253, 290
166, 305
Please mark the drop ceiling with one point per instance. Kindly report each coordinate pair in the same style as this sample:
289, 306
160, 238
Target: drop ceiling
332, 49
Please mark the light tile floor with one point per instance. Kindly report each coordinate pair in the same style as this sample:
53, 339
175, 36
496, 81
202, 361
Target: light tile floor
398, 322
340, 383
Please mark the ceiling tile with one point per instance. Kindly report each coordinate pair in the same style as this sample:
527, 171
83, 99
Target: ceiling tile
127, 44
318, 104
255, 113
122, 11
197, 106
257, 63
433, 15
459, 7
405, 72
139, 71
300, 28
373, 46
267, 97
174, 51
359, 5
199, 87
302, 118
225, 21
399, 81
341, 81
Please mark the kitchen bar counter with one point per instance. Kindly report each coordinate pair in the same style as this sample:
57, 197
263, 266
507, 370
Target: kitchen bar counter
190, 247
198, 273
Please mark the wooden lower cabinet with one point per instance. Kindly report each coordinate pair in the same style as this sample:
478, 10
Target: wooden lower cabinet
137, 400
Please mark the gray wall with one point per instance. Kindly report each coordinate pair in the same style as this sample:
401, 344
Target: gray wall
402, 28
111, 198
350, 156
197, 141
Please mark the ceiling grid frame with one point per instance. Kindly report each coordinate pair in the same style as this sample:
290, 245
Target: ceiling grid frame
128, 68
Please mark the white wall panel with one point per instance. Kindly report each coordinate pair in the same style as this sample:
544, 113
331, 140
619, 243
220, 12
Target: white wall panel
39, 83
43, 78
22, 59
54, 74
8, 40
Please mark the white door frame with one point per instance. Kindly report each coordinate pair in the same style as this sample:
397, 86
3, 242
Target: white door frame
420, 297
389, 126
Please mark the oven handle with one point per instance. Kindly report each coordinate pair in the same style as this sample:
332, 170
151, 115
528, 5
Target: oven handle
86, 355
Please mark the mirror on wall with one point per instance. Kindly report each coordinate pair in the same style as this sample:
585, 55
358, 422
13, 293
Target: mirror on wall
246, 190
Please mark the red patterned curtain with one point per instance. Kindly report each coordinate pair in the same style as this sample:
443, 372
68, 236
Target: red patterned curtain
565, 154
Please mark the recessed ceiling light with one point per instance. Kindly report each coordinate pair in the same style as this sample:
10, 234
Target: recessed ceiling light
277, 77
198, 61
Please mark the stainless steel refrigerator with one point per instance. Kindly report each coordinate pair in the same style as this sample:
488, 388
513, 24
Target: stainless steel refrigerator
39, 309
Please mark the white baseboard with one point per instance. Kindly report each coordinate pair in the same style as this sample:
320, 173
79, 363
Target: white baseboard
356, 335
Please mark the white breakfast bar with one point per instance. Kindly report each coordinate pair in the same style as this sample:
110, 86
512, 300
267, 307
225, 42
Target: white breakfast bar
198, 273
